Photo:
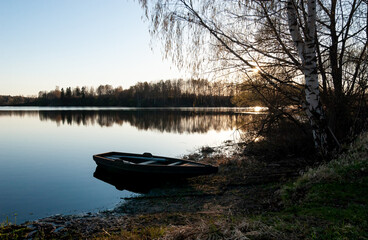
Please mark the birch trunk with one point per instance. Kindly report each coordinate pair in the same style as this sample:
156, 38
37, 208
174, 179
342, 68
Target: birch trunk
307, 51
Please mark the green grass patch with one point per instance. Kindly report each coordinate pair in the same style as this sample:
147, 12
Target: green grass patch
327, 202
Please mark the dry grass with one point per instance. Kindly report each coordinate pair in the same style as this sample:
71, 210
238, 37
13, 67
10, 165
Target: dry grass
347, 167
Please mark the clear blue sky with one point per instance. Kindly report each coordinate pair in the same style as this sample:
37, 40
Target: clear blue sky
48, 43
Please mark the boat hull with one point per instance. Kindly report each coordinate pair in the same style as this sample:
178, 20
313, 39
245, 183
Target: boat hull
165, 167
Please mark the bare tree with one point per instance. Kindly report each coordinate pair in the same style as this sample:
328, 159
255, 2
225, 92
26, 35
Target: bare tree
310, 44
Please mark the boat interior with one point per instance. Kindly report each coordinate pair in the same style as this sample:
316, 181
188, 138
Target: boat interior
149, 160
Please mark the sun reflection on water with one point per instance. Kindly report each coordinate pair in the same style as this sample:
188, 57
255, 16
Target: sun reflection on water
257, 109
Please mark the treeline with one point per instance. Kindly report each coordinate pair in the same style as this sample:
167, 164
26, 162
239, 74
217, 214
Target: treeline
16, 101
169, 93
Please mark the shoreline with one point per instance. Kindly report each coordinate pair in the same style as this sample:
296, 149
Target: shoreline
251, 197
204, 195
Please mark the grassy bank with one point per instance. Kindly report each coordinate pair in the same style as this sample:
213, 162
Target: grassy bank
249, 198
326, 202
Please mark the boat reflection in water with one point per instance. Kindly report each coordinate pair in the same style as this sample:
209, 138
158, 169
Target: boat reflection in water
133, 183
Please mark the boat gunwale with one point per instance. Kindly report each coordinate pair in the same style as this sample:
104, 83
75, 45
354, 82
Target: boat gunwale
154, 169
195, 164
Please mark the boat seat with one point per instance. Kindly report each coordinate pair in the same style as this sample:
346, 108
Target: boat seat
126, 162
173, 164
148, 162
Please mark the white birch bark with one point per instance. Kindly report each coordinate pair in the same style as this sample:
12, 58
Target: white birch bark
307, 52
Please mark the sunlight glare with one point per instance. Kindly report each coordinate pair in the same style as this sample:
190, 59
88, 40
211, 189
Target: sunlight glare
256, 69
257, 109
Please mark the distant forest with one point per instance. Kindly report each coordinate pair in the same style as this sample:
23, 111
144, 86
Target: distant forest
169, 93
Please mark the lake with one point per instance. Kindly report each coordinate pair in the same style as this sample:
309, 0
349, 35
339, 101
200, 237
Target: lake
46, 164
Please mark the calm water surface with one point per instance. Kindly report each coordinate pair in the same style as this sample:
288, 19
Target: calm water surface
46, 164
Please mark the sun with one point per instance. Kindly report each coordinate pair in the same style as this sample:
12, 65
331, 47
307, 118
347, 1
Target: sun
256, 69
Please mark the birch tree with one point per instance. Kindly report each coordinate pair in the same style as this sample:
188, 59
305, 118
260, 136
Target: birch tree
307, 53
290, 44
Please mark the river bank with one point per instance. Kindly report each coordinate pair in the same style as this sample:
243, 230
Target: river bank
252, 197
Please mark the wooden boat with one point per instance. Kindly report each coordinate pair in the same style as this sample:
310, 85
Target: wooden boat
147, 164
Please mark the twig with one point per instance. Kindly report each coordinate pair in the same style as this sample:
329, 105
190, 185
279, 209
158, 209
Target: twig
175, 196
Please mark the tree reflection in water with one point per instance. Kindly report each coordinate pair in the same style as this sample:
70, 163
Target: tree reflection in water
162, 120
